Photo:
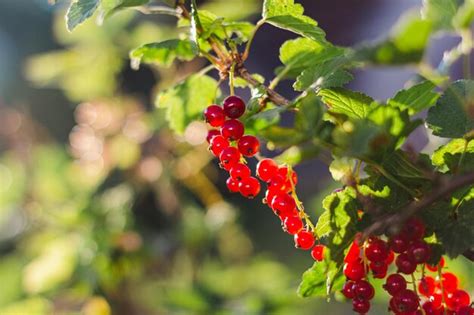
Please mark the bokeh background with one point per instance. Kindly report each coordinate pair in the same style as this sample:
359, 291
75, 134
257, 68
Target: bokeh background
104, 211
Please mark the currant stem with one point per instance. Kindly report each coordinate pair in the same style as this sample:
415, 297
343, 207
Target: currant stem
231, 78
245, 55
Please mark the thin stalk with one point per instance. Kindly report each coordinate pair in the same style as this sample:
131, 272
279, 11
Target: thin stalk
231, 78
246, 52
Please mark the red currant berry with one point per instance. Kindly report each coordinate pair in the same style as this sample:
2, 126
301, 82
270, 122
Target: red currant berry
394, 284
363, 290
232, 184
390, 258
283, 203
214, 115
283, 171
353, 254
218, 143
318, 252
211, 134
379, 269
450, 282
427, 286
360, 306
266, 169
420, 251
239, 171
348, 289
405, 263
249, 187
293, 224
406, 301
414, 229
377, 250
354, 270
269, 195
398, 243
430, 309
248, 145
229, 157
234, 106
436, 299
304, 239
232, 129
457, 299
278, 183
434, 268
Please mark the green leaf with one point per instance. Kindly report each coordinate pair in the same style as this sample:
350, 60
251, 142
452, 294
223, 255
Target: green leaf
309, 116
163, 53
341, 167
456, 156
109, 7
406, 44
301, 53
288, 15
415, 98
347, 102
79, 11
453, 114
282, 136
321, 279
321, 76
441, 12
464, 16
186, 101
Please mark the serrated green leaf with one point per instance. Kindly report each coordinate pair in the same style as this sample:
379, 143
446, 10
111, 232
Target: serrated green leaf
282, 136
321, 279
448, 157
322, 76
288, 15
309, 116
406, 44
441, 12
79, 11
347, 102
415, 98
163, 53
301, 53
453, 114
186, 101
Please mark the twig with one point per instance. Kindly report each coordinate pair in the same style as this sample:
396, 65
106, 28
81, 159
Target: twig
273, 96
446, 187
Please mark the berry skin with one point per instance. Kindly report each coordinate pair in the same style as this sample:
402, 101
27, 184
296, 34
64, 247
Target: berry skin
414, 229
427, 286
266, 169
457, 299
348, 289
405, 301
283, 203
379, 269
283, 171
377, 250
450, 282
354, 270
405, 263
353, 254
232, 184
394, 284
218, 143
229, 157
269, 195
278, 183
304, 239
390, 258
398, 243
234, 106
434, 268
293, 225
239, 171
430, 309
318, 252
248, 145
211, 134
420, 251
360, 306
214, 115
232, 129
249, 187
465, 310
363, 290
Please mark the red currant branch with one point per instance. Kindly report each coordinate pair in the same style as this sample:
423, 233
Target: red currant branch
446, 186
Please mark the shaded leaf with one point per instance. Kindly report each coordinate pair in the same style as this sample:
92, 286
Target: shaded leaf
441, 12
448, 157
110, 7
415, 98
163, 53
79, 11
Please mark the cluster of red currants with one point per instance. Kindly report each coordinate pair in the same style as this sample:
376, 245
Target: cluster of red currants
442, 296
231, 146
